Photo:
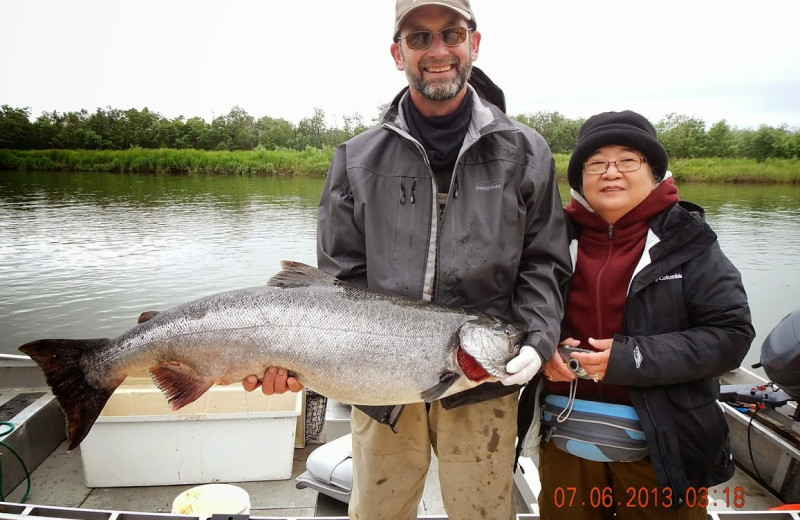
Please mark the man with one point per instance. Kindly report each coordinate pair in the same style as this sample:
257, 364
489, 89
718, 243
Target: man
446, 200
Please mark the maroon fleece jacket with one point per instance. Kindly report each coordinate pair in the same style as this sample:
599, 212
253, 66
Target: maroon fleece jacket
607, 257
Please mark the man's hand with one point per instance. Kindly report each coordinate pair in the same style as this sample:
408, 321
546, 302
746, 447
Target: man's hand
523, 367
276, 381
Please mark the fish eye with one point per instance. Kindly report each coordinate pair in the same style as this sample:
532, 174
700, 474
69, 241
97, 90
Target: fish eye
502, 329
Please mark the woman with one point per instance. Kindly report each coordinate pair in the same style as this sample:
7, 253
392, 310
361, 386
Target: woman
662, 312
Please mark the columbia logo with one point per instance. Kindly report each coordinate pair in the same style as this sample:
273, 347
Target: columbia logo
637, 356
676, 276
488, 186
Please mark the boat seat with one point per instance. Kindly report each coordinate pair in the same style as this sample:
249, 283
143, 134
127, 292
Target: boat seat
329, 469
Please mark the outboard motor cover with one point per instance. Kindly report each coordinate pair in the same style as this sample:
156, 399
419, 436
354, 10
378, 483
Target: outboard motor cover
780, 354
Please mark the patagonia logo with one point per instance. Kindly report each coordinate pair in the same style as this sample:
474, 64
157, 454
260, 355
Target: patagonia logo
489, 185
676, 276
637, 356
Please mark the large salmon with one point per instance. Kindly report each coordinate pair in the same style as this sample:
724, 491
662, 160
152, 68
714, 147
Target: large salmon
345, 342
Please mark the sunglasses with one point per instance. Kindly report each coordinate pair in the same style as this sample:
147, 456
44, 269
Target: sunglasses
421, 40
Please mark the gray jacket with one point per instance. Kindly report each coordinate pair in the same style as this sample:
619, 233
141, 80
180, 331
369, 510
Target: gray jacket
499, 245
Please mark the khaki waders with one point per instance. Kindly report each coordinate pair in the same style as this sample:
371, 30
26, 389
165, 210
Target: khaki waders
474, 445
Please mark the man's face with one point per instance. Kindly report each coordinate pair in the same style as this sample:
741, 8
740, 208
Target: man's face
440, 71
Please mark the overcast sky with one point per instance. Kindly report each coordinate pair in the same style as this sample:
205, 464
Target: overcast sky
710, 59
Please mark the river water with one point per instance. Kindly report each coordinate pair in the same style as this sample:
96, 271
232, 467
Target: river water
83, 254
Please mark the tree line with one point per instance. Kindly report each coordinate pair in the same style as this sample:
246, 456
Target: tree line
684, 137
114, 129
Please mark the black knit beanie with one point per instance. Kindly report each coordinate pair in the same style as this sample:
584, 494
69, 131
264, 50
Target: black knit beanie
625, 128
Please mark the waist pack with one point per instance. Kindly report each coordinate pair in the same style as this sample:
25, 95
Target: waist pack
592, 430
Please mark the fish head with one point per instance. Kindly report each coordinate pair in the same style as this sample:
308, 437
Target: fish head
491, 343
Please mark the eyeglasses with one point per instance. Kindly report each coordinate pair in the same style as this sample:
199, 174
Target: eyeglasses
623, 165
450, 36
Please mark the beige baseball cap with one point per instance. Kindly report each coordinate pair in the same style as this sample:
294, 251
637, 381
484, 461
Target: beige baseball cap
405, 7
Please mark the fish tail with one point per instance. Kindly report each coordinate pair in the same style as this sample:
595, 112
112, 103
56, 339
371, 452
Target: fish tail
81, 402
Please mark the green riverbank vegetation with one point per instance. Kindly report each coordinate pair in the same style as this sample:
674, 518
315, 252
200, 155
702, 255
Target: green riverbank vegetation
280, 162
314, 162
141, 141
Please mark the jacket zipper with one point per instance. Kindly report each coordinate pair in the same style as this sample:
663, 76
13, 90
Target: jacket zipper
456, 192
678, 499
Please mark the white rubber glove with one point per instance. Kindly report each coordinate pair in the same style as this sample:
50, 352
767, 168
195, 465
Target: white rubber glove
523, 367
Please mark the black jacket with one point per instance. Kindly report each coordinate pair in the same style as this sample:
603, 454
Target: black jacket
686, 322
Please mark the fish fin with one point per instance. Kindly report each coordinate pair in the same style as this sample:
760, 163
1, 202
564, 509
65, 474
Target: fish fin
179, 383
446, 380
296, 274
81, 402
146, 316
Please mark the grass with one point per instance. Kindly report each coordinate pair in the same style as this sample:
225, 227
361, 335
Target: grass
770, 171
310, 162
314, 162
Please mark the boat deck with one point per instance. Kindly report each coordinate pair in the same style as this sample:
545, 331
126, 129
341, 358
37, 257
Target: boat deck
59, 482
58, 488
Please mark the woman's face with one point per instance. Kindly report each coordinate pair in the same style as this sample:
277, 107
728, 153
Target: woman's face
613, 194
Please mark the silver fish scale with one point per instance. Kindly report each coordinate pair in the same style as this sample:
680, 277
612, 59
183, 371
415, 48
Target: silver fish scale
347, 343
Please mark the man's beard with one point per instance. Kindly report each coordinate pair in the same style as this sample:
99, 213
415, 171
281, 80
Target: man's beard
440, 90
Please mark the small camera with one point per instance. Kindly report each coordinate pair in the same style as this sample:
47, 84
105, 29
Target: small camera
572, 364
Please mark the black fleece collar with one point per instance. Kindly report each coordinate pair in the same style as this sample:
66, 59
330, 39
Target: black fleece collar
441, 136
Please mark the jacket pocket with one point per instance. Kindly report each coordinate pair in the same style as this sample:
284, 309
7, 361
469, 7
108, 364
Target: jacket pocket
701, 428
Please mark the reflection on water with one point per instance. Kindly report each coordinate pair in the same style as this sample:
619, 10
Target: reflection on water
82, 254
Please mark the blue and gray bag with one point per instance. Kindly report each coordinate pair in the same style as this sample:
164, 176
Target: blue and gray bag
592, 430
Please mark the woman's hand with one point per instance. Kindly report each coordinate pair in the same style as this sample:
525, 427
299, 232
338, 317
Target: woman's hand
556, 369
596, 363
